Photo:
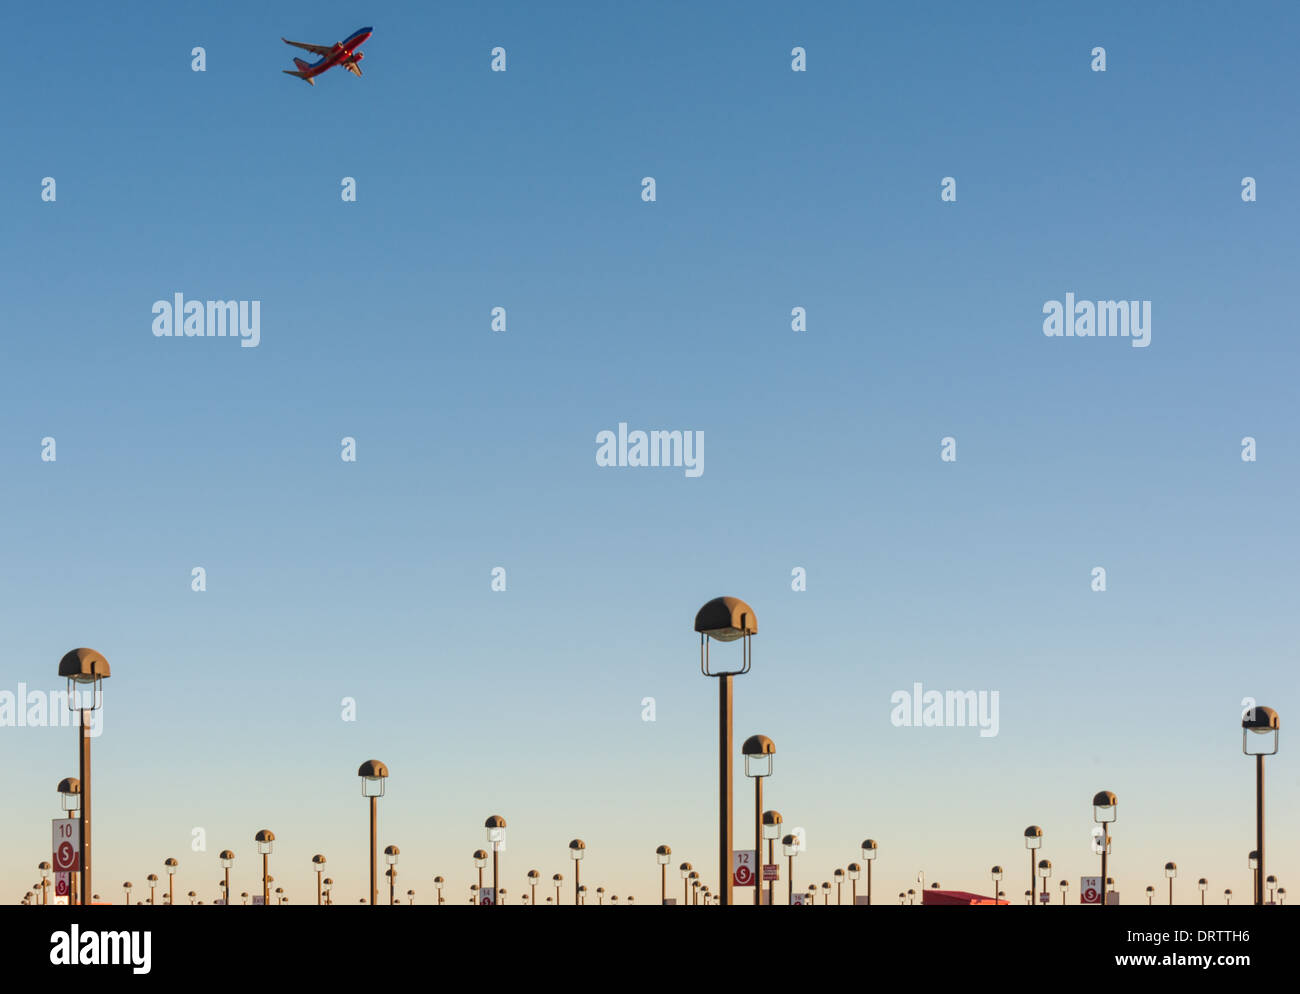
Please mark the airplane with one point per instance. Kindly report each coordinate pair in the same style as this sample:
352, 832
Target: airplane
341, 53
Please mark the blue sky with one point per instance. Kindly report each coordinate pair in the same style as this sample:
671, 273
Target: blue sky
775, 189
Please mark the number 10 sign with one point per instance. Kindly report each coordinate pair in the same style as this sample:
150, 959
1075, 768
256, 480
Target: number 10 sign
67, 845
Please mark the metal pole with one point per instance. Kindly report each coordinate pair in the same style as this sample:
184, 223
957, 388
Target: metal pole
227, 886
869, 862
663, 883
392, 883
1105, 847
318, 888
1171, 891
1033, 891
266, 884
577, 872
771, 884
85, 806
171, 894
686, 891
724, 787
789, 891
496, 894
374, 815
1259, 827
758, 838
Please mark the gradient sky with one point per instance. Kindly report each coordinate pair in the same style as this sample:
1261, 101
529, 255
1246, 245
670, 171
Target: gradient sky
476, 449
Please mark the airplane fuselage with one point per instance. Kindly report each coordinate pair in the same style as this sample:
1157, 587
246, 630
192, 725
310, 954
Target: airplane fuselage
342, 52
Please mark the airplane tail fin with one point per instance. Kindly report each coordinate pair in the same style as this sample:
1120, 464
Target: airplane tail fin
301, 76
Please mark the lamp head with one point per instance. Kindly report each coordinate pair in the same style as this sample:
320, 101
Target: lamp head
373, 776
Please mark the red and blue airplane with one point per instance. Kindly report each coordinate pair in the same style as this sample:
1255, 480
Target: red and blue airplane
341, 53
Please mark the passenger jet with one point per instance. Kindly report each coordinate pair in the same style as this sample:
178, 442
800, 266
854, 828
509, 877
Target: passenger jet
341, 53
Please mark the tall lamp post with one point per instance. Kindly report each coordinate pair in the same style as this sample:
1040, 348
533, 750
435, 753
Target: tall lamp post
1171, 871
996, 874
1259, 722
533, 878
45, 869
70, 798
725, 619
495, 827
577, 849
439, 883
327, 885
869, 850
480, 862
662, 855
1105, 810
1045, 871
374, 775
1033, 841
1151, 893
839, 887
152, 881
1270, 882
390, 857
855, 871
1227, 895
1202, 884
227, 861
1253, 862
686, 869
771, 832
790, 846
265, 840
171, 865
758, 751
318, 864
557, 879
85, 670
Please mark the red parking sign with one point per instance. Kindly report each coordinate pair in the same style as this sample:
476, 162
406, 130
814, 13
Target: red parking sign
67, 845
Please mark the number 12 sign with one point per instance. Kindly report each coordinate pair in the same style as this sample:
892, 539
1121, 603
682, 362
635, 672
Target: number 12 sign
743, 862
67, 845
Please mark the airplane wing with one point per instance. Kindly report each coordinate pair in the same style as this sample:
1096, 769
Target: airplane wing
353, 68
314, 49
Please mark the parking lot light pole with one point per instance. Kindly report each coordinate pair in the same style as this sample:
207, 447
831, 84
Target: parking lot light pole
318, 864
869, 850
85, 670
725, 619
662, 856
70, 799
265, 840
374, 776
1258, 724
1033, 841
577, 850
171, 864
771, 832
495, 827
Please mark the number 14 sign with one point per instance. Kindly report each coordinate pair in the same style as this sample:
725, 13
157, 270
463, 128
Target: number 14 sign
67, 845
